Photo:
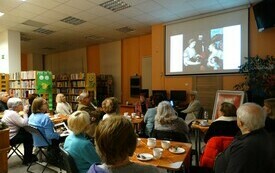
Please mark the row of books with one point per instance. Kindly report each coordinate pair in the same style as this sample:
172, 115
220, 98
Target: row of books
21, 93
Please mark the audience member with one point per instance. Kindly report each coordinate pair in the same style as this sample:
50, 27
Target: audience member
4, 97
149, 117
43, 122
16, 123
269, 107
115, 141
62, 106
110, 107
167, 120
85, 105
31, 97
251, 152
142, 105
193, 108
226, 124
78, 144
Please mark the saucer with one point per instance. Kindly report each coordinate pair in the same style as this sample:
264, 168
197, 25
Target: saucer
144, 156
176, 150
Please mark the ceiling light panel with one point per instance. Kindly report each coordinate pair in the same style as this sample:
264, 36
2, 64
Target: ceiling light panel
125, 29
115, 5
44, 31
72, 20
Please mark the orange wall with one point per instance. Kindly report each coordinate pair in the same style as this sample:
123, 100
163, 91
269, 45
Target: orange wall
133, 50
24, 62
93, 59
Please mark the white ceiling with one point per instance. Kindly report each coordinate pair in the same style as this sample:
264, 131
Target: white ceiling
101, 23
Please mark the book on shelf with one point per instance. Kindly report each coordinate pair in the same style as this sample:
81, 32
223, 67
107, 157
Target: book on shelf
61, 129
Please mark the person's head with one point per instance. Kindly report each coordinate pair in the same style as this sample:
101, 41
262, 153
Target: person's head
60, 98
84, 98
228, 109
193, 95
142, 97
39, 105
115, 140
31, 97
78, 122
165, 113
192, 43
15, 104
269, 107
110, 105
250, 117
4, 97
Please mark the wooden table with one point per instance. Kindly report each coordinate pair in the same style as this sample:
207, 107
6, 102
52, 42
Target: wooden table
168, 160
137, 122
199, 129
126, 108
59, 119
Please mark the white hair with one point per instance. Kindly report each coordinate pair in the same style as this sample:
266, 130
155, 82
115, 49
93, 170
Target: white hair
165, 113
252, 115
82, 96
14, 102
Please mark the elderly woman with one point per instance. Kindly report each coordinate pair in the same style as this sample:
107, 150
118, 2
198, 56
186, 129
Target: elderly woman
226, 124
251, 152
115, 141
193, 108
167, 120
4, 97
62, 106
43, 122
16, 122
110, 107
85, 105
77, 143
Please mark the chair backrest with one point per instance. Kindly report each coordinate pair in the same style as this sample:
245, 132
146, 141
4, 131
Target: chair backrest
213, 147
170, 135
68, 161
35, 131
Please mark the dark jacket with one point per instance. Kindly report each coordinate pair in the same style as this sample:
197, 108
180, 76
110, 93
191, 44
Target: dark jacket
249, 153
3, 106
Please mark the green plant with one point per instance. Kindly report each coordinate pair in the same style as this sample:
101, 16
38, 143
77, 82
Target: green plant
259, 76
3, 125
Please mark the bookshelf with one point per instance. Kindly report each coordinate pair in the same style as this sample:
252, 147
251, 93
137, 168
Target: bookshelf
4, 82
24, 83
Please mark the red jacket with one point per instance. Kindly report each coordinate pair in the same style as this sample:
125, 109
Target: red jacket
213, 147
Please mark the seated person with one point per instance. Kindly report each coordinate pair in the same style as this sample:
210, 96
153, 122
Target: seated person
226, 124
62, 106
110, 107
17, 133
85, 105
149, 117
4, 97
142, 105
116, 140
78, 144
269, 107
193, 108
43, 122
31, 97
167, 120
251, 152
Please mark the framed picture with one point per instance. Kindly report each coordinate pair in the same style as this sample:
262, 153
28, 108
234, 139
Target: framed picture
234, 97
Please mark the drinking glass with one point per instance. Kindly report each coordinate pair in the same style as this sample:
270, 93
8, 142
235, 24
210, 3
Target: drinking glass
205, 115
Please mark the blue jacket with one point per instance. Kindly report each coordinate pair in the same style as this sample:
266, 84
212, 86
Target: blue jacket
82, 151
45, 125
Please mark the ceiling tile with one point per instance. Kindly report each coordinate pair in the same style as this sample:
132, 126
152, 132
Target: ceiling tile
48, 4
65, 9
148, 6
31, 8
82, 5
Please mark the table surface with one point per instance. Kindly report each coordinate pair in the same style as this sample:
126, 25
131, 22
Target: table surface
59, 119
196, 125
168, 160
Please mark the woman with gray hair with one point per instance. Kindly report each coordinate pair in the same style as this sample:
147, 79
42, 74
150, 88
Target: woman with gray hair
16, 122
167, 120
251, 152
193, 108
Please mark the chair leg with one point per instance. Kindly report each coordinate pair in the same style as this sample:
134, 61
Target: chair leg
14, 149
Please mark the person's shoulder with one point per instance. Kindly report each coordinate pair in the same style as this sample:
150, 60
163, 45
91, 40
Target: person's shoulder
143, 168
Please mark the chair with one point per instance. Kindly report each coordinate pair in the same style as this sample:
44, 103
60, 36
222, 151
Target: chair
35, 131
69, 164
14, 149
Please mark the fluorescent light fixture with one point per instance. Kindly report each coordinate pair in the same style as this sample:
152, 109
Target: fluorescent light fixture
115, 5
1, 14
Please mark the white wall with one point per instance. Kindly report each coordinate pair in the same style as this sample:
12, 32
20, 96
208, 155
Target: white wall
110, 63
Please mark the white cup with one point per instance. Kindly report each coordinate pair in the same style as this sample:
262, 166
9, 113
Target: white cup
56, 115
133, 115
157, 153
138, 141
165, 144
204, 122
125, 114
